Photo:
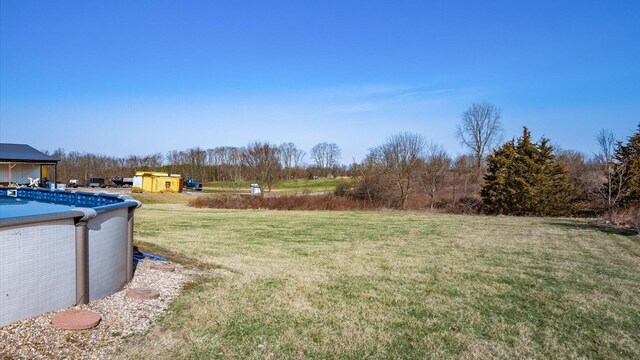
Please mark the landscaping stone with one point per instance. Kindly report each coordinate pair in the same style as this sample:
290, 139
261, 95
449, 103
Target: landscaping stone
76, 320
143, 294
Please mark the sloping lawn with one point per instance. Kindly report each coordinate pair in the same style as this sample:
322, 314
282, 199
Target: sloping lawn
395, 285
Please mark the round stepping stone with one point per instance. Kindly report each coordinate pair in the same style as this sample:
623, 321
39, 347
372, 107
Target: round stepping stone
76, 320
163, 267
143, 294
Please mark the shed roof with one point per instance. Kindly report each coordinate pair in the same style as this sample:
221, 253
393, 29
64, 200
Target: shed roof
23, 153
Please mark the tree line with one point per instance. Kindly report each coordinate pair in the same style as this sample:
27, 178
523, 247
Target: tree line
260, 161
514, 177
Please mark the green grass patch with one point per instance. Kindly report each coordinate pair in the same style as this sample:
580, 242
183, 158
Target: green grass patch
148, 198
386, 284
283, 186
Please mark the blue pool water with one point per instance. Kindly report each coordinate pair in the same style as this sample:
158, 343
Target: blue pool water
11, 207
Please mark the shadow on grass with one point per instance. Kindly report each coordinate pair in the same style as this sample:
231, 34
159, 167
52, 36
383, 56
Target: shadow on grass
594, 226
174, 256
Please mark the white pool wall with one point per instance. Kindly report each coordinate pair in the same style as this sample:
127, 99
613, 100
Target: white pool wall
107, 253
38, 268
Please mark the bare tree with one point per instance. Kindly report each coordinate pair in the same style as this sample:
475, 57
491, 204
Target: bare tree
298, 158
236, 161
326, 156
583, 172
434, 171
375, 183
365, 172
198, 161
191, 163
263, 159
291, 157
480, 130
614, 173
154, 161
401, 157
463, 179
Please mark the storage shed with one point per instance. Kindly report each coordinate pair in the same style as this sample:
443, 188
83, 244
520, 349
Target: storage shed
19, 162
157, 182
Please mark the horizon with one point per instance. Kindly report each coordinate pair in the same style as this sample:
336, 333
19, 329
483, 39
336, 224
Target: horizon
151, 79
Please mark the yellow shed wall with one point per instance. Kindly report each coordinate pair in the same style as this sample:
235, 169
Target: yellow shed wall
147, 183
166, 184
159, 182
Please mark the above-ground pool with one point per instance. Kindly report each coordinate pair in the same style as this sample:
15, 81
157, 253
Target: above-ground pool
12, 207
60, 248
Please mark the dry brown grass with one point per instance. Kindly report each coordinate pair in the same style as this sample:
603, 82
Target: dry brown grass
162, 198
283, 202
629, 216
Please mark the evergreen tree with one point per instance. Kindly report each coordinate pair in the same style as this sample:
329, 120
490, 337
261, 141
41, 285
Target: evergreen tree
497, 192
556, 191
628, 156
524, 178
526, 171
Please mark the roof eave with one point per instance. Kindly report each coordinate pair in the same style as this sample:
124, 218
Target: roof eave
50, 162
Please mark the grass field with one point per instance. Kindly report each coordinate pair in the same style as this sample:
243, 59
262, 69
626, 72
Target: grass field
282, 187
148, 198
394, 285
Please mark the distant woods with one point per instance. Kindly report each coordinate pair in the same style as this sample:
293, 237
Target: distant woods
260, 161
521, 176
83, 166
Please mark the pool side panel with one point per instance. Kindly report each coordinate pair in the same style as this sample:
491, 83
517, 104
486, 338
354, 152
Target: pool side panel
37, 269
108, 240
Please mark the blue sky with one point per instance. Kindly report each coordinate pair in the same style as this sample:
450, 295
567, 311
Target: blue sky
152, 76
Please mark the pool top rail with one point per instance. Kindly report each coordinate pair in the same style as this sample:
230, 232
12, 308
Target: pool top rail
86, 205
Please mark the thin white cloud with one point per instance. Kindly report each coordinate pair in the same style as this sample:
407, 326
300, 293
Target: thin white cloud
358, 91
380, 98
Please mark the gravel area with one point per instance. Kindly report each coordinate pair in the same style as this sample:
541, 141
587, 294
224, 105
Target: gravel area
37, 338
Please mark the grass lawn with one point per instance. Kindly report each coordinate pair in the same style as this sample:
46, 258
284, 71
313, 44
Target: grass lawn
395, 285
148, 198
281, 187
